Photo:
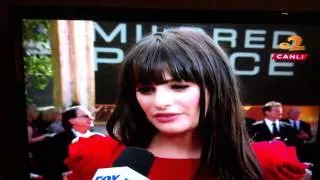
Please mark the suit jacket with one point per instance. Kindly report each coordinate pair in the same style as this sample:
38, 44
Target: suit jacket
303, 127
261, 132
249, 122
57, 151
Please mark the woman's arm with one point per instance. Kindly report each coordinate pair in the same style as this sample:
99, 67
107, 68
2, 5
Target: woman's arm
35, 139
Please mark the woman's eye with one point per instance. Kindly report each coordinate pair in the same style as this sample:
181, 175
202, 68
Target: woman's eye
179, 87
145, 90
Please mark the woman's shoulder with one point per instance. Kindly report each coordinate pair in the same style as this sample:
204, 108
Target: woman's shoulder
93, 152
95, 143
278, 160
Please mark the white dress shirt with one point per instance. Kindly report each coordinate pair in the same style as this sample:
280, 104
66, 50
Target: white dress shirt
270, 126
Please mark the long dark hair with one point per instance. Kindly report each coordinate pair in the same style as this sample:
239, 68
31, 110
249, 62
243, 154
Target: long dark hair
191, 56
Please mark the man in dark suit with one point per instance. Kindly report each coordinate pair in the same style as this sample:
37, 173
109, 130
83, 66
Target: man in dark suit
270, 127
249, 121
302, 131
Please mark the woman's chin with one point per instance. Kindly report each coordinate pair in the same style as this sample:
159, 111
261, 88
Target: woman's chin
171, 131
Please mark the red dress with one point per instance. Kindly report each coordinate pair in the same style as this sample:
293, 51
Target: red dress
89, 154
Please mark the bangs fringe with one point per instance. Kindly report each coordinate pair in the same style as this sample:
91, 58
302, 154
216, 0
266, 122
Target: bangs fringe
150, 66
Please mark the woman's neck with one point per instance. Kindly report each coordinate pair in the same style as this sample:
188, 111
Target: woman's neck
182, 146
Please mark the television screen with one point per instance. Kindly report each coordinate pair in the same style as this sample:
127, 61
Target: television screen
71, 60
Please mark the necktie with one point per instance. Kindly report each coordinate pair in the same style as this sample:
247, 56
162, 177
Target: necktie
295, 125
275, 131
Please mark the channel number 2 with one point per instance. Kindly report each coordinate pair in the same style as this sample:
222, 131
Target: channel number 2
295, 44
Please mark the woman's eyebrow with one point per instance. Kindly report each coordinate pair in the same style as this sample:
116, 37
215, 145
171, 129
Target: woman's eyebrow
167, 81
170, 81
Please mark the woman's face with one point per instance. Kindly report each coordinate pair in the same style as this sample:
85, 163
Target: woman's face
172, 107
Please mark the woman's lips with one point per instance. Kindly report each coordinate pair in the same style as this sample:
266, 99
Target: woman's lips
166, 117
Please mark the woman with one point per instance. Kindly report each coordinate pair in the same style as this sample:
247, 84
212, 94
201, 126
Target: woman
35, 140
179, 100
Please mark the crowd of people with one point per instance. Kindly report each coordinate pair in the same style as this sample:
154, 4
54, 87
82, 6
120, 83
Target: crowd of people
49, 139
291, 130
41, 125
178, 100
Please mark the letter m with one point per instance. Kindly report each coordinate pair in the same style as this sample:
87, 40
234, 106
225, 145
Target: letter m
121, 28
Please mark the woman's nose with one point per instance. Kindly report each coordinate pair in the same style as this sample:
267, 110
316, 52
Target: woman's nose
162, 98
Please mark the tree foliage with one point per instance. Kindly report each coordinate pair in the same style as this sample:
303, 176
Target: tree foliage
37, 54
